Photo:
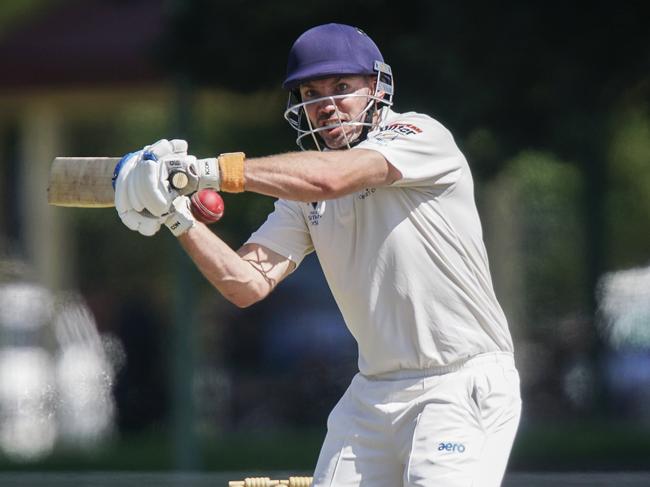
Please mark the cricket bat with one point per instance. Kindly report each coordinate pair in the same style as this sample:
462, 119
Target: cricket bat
87, 182
82, 182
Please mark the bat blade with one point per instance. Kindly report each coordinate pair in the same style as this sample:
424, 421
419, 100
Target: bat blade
82, 182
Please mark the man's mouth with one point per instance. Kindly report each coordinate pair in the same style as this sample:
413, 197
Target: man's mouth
331, 121
332, 127
334, 130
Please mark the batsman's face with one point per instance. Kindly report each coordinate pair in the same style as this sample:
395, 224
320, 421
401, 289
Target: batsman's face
335, 101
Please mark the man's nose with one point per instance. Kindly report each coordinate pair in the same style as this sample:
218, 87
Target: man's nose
326, 107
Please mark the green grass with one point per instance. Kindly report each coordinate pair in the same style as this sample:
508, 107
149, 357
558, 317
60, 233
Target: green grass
558, 447
154, 452
581, 446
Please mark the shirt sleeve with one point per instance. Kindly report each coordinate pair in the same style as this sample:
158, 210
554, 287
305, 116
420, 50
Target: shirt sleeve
421, 148
285, 232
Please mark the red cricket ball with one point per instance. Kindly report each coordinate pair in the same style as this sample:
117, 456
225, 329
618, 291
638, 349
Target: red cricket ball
207, 206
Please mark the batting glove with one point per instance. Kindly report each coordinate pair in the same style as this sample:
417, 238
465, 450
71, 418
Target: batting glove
180, 218
148, 184
164, 172
138, 221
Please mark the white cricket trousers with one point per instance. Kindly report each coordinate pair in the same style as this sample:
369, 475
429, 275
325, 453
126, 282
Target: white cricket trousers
453, 428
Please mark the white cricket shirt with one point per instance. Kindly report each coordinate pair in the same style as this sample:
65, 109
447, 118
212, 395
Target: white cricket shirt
406, 263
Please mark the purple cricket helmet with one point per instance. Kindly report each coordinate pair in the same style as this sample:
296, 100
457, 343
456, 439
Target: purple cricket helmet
329, 50
334, 50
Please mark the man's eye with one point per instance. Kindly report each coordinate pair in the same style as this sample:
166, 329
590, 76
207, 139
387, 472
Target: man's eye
342, 87
309, 94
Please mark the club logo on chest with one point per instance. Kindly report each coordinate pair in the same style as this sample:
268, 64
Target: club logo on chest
316, 211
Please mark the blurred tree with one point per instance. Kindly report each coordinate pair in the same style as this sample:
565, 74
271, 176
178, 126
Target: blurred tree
546, 193
13, 12
628, 199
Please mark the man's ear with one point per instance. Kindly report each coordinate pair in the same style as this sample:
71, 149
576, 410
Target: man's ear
373, 86
373, 83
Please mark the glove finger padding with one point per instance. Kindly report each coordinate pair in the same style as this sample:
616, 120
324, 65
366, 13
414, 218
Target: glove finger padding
151, 186
138, 222
160, 148
165, 147
122, 200
149, 226
179, 146
132, 188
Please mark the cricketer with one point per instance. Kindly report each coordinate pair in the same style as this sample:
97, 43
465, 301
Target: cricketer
386, 200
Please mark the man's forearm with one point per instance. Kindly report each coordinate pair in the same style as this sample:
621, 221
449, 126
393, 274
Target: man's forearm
316, 176
236, 279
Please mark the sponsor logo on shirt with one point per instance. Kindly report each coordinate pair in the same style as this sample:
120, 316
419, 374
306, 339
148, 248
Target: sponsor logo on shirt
393, 130
451, 447
366, 193
402, 128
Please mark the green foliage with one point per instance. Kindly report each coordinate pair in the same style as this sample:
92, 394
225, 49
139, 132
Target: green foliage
547, 194
14, 12
628, 195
